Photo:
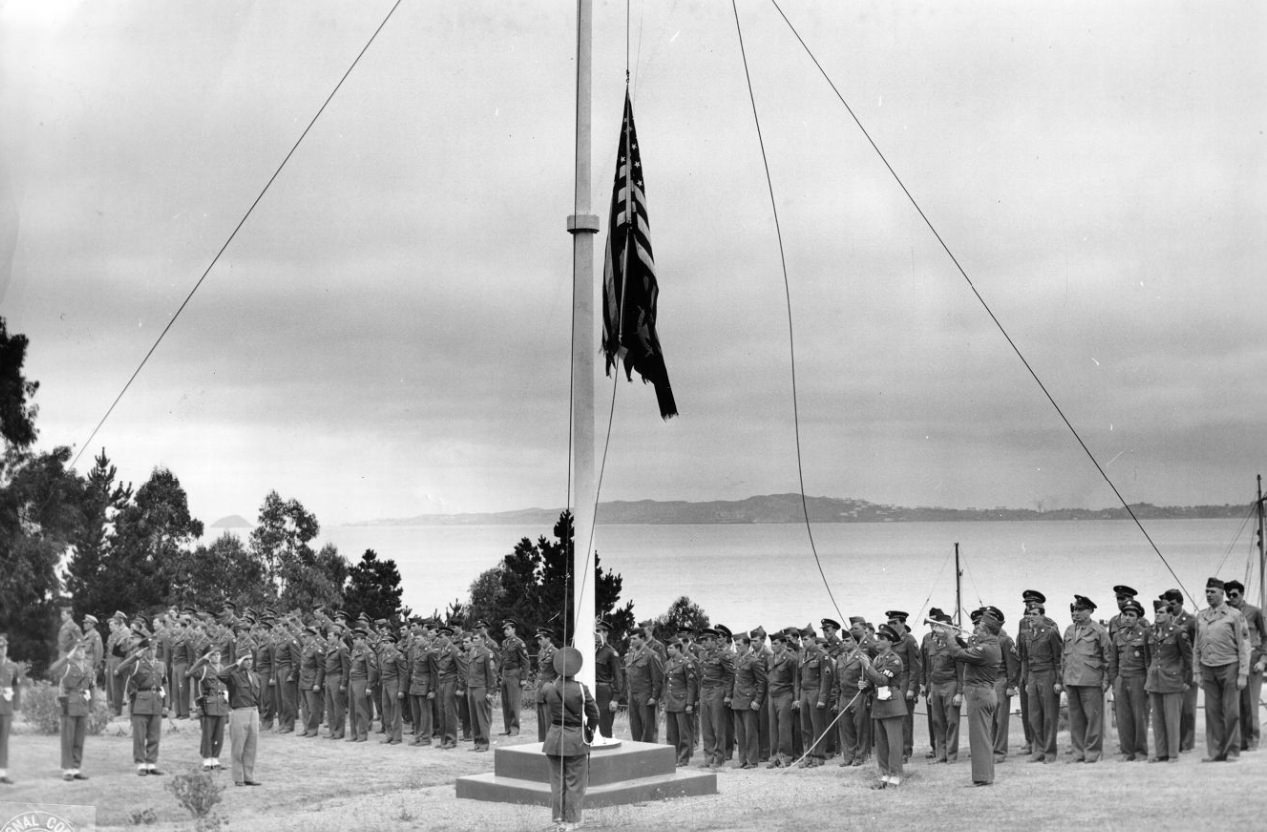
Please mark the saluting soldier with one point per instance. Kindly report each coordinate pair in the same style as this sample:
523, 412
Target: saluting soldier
481, 681
362, 669
1130, 699
213, 706
644, 683
981, 658
884, 675
609, 679
1169, 674
545, 675
513, 666
679, 701
335, 673
943, 691
1040, 646
146, 696
747, 697
393, 674
10, 701
815, 677
1086, 670
75, 683
1250, 695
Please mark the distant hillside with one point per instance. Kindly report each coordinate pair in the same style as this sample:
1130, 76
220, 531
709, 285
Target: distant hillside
233, 521
786, 508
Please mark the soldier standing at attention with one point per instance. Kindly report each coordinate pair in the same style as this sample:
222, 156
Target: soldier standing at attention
335, 672
747, 697
286, 657
815, 675
1086, 670
75, 684
644, 681
1187, 622
981, 658
393, 675
908, 651
885, 675
481, 681
944, 692
69, 634
213, 705
609, 679
95, 651
10, 701
1130, 699
1220, 659
1169, 674
264, 653
781, 691
448, 678
116, 651
716, 676
422, 685
1040, 647
679, 698
362, 667
545, 675
312, 678
1250, 728
1006, 681
145, 692
513, 665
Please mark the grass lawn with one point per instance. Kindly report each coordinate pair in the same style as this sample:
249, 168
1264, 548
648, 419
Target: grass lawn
320, 784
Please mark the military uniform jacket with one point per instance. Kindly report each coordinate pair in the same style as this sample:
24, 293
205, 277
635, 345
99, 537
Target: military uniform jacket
74, 686
908, 651
449, 664
338, 662
1040, 647
213, 694
1009, 669
10, 688
182, 652
680, 686
608, 668
644, 677
481, 670
781, 673
286, 656
545, 670
514, 654
1257, 630
940, 666
886, 671
393, 667
1130, 650
95, 651
117, 643
1170, 659
981, 658
749, 683
362, 665
422, 669
264, 657
1087, 657
814, 678
571, 706
67, 637
144, 684
312, 666
716, 674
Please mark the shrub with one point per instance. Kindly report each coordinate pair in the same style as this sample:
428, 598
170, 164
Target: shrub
198, 792
100, 715
40, 707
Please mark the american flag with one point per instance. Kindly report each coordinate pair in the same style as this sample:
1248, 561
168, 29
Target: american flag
630, 289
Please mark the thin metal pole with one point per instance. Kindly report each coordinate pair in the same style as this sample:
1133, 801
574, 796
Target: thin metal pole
1262, 555
958, 590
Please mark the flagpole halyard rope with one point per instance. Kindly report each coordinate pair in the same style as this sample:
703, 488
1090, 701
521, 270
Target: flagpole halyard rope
787, 291
1103, 474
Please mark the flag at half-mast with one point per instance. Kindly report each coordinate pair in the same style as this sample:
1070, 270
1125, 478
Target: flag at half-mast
630, 289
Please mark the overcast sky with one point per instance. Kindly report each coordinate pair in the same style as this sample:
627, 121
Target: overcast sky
388, 334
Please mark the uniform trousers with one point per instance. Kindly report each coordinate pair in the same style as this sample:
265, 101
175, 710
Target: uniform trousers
1222, 710
606, 716
1044, 712
813, 721
464, 716
568, 778
1026, 723
147, 729
73, 729
1130, 703
336, 704
888, 745
6, 725
481, 715
179, 686
763, 732
1188, 719
1086, 722
244, 733
908, 729
360, 708
1002, 718
114, 686
642, 727
1249, 705
420, 710
287, 694
268, 698
747, 736
782, 718
543, 718
677, 730
512, 700
391, 703
212, 736
1165, 715
312, 710
982, 703
852, 724
714, 716
448, 706
945, 715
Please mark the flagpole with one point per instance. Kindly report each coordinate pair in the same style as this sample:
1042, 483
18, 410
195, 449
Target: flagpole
583, 225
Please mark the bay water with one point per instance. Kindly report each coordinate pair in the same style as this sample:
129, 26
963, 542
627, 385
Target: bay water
745, 575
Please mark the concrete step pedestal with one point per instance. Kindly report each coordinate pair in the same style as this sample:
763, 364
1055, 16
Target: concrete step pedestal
628, 772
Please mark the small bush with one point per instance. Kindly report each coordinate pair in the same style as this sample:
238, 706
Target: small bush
40, 707
142, 817
197, 791
99, 716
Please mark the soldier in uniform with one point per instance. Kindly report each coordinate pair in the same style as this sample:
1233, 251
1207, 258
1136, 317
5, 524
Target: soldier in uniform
182, 658
1169, 674
449, 665
10, 701
512, 667
781, 672
943, 692
393, 676
213, 705
265, 649
95, 650
287, 654
145, 677
908, 651
716, 677
1130, 699
644, 683
814, 675
747, 697
679, 699
1006, 682
761, 649
1029, 598
336, 670
1086, 670
422, 685
1220, 659
312, 678
75, 683
68, 634
1187, 622
609, 680
981, 658
545, 675
1250, 695
116, 651
1039, 646
362, 668
481, 681
884, 674
1124, 595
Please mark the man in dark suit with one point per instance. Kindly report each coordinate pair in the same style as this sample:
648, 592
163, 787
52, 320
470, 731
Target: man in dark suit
245, 692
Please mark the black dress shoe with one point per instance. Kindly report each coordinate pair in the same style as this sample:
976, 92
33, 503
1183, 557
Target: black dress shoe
156, 772
252, 782
5, 780
79, 776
